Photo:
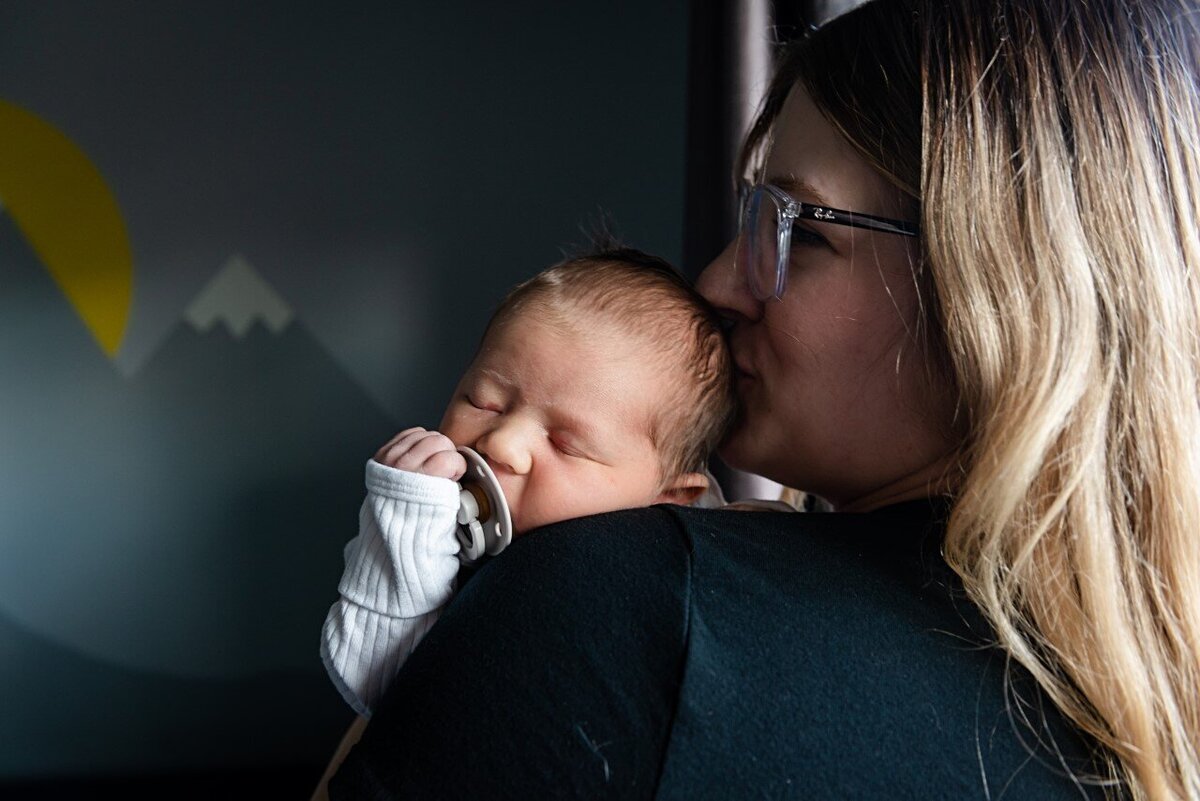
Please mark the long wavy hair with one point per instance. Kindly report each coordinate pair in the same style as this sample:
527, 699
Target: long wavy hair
1053, 149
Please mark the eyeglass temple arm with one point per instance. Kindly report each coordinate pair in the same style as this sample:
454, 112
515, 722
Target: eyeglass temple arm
855, 219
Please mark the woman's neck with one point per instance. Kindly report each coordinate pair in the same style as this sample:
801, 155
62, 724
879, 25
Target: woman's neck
937, 478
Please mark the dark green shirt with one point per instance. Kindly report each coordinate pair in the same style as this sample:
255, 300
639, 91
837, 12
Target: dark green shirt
680, 653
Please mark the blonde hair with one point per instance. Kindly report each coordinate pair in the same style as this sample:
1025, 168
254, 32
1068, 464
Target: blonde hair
645, 298
1058, 150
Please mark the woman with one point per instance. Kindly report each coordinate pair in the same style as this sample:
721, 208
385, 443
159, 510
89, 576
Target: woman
976, 338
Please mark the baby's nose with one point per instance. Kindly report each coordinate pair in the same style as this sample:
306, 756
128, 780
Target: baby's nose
507, 446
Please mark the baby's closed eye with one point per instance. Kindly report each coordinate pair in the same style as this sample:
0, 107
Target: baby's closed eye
567, 447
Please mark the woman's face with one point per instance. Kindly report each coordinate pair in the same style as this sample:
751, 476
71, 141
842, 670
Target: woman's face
836, 398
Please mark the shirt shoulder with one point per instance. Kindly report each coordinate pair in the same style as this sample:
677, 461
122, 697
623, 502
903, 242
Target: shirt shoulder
841, 652
694, 653
552, 673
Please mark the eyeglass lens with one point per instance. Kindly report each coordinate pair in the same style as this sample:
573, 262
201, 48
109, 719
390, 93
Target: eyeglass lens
758, 255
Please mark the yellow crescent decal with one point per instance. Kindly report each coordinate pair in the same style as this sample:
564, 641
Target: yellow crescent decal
71, 220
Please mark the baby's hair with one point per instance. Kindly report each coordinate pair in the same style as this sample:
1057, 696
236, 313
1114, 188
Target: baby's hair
644, 295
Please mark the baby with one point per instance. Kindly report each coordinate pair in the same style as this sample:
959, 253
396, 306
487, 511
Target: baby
602, 383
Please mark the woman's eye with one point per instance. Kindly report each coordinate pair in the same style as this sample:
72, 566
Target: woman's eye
803, 237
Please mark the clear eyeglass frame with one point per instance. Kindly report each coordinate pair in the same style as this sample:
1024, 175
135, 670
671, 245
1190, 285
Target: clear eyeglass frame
767, 276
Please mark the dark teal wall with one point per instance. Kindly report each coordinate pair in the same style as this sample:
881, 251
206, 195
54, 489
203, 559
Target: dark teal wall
172, 517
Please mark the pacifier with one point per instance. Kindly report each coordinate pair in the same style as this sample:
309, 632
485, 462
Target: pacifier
484, 522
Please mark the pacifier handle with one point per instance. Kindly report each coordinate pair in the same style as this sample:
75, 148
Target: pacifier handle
484, 520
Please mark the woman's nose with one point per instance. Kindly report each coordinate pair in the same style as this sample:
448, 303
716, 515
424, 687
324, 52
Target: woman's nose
724, 286
507, 444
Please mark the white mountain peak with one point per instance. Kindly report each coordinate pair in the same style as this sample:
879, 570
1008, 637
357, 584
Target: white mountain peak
237, 296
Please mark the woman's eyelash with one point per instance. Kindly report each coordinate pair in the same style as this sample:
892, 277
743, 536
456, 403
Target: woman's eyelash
804, 237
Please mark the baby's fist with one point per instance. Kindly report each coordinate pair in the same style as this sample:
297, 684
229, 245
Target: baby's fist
430, 453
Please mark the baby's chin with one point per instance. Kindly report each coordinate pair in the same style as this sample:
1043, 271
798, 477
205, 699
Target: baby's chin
519, 525
523, 525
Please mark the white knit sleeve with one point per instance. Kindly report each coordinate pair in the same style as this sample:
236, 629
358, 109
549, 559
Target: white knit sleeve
400, 570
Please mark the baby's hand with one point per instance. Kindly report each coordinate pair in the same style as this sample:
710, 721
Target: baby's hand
427, 452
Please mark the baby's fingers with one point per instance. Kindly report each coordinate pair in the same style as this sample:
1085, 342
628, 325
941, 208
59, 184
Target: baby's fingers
399, 444
446, 464
419, 449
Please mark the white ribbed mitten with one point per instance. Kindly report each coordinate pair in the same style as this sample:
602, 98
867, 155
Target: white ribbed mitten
400, 571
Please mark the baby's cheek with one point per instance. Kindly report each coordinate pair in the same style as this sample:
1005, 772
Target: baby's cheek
533, 509
455, 425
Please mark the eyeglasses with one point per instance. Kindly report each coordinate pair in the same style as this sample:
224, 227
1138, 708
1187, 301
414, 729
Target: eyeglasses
767, 216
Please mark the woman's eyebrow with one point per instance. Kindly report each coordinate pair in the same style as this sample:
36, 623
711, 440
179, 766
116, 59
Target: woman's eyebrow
795, 187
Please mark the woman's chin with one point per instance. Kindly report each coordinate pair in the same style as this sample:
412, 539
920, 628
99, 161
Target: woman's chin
737, 450
756, 452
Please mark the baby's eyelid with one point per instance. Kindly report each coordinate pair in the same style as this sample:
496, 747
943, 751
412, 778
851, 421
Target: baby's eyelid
478, 404
566, 448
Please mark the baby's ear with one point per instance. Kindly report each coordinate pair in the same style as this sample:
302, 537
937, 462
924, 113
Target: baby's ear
684, 489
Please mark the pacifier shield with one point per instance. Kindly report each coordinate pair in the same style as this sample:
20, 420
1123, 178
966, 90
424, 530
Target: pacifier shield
487, 527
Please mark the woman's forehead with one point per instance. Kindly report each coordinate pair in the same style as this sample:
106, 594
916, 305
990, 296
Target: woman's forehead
808, 156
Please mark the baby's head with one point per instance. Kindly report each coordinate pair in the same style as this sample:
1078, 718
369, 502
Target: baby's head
602, 383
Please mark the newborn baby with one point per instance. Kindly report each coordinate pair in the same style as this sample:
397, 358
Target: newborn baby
602, 383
